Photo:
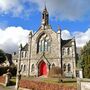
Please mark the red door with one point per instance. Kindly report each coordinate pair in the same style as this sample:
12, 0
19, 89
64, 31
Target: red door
43, 68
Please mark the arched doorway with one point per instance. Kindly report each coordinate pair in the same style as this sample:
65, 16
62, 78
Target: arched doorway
42, 68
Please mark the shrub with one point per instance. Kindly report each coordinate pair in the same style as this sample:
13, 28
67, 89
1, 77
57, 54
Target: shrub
3, 70
55, 72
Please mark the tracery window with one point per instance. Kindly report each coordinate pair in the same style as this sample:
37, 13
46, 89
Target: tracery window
43, 43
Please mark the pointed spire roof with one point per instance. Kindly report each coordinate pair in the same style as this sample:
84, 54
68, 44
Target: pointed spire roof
45, 10
45, 17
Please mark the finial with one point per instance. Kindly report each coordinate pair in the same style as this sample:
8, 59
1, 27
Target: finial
59, 30
30, 34
73, 39
45, 6
20, 47
45, 3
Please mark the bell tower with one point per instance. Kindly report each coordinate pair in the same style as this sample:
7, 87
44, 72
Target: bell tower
45, 17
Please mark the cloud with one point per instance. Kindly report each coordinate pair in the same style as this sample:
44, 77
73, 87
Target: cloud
65, 9
11, 6
59, 9
81, 37
11, 37
66, 34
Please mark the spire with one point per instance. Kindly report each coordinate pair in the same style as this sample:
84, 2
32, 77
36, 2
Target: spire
59, 30
45, 17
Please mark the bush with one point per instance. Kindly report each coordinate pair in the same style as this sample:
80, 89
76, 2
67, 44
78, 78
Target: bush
55, 72
13, 70
3, 70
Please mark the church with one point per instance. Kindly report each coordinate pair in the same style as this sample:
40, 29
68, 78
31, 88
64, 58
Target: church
46, 49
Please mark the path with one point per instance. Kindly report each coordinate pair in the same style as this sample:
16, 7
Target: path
7, 88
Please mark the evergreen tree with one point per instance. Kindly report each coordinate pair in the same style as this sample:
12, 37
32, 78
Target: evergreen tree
85, 57
2, 56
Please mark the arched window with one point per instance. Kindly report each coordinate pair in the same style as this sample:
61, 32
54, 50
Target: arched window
69, 67
24, 68
68, 51
21, 67
32, 67
53, 65
43, 43
25, 54
63, 51
43, 16
22, 54
64, 67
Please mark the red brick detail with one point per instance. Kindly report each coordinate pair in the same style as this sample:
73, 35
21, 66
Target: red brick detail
35, 85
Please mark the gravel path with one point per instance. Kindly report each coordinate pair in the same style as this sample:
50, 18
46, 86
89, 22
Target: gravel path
7, 88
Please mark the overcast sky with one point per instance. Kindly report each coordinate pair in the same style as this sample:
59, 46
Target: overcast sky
18, 17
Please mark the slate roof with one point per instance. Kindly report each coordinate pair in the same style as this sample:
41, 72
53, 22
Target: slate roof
67, 43
25, 48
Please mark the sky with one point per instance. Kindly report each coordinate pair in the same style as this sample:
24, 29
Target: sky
19, 17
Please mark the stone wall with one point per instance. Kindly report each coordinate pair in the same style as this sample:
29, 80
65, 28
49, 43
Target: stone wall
83, 84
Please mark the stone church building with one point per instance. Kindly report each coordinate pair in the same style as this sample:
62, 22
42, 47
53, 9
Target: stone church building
46, 49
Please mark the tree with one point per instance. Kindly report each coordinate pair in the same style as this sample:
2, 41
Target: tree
2, 56
85, 57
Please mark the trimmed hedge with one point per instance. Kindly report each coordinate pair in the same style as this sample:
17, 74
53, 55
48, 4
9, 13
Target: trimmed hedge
35, 85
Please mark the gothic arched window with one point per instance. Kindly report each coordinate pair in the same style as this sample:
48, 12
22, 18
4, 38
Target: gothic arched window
32, 67
53, 65
24, 68
69, 67
21, 67
43, 43
64, 67
68, 51
22, 54
25, 54
63, 51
